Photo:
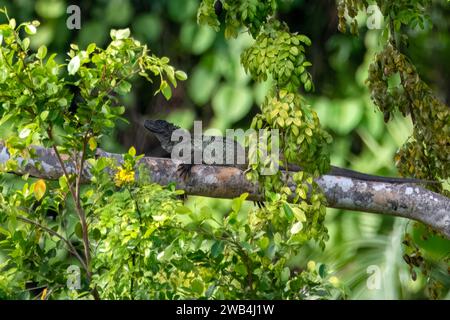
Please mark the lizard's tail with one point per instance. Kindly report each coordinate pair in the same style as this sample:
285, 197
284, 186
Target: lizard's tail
336, 171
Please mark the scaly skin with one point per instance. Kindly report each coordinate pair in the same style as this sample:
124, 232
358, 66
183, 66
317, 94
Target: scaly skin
163, 131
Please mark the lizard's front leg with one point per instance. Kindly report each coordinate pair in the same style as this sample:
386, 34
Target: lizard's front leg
184, 170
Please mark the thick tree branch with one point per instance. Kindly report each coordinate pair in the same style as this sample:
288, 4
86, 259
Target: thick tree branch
402, 200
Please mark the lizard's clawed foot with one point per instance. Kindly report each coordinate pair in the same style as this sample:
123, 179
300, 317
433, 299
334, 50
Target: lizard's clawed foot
184, 170
183, 197
260, 204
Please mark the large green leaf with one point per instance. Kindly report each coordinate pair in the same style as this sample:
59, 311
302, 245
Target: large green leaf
201, 85
232, 103
196, 38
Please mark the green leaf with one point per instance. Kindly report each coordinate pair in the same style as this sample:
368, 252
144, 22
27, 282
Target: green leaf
263, 243
170, 74
296, 228
63, 183
42, 52
308, 86
44, 115
91, 48
293, 50
202, 84
285, 274
39, 189
322, 270
79, 230
12, 23
288, 211
5, 117
74, 65
197, 38
96, 234
92, 143
26, 43
30, 29
304, 39
197, 286
123, 34
3, 75
181, 75
205, 213
132, 151
236, 204
25, 132
299, 214
124, 87
166, 90
62, 102
217, 248
183, 210
240, 269
232, 103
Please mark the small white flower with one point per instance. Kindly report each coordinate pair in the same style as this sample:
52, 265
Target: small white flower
74, 65
296, 228
24, 133
30, 29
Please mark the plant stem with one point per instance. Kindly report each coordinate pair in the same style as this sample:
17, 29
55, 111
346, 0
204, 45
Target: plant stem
54, 233
133, 255
81, 167
76, 197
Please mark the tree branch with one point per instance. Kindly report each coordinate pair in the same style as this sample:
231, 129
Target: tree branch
402, 200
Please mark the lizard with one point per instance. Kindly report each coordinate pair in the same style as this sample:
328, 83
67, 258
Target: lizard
163, 131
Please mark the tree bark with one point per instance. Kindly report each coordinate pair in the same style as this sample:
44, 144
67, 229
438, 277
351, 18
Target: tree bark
410, 201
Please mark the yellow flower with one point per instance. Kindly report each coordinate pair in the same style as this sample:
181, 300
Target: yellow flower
311, 265
44, 294
123, 176
334, 281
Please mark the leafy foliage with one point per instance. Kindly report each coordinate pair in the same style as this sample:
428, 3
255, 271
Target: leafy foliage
251, 14
150, 246
132, 239
396, 85
404, 12
279, 54
191, 251
426, 154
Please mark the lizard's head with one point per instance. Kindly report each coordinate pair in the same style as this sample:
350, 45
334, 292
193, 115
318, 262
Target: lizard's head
160, 127
163, 131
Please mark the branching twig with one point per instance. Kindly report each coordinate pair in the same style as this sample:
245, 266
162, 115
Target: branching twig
70, 246
76, 198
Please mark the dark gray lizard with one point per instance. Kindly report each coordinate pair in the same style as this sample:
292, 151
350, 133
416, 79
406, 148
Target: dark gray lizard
163, 131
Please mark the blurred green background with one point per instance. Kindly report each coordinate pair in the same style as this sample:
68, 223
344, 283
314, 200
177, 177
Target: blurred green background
220, 93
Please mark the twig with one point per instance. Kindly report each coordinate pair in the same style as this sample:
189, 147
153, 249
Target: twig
56, 234
79, 209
